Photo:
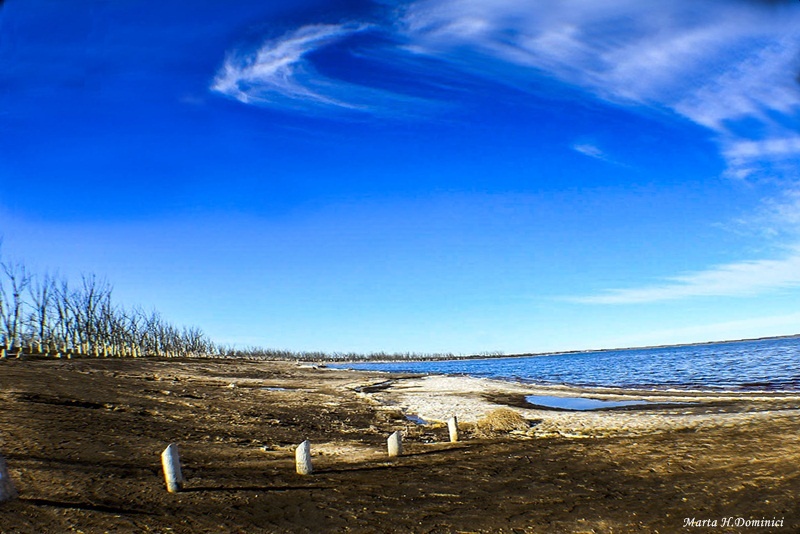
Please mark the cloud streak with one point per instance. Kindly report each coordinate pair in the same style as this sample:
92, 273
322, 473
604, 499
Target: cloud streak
279, 70
593, 151
730, 67
722, 66
589, 150
281, 74
740, 279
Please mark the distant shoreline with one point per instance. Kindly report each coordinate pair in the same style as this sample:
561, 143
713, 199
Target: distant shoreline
491, 356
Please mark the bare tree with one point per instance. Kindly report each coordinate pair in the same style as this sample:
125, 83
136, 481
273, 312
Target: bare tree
65, 323
11, 294
40, 328
49, 314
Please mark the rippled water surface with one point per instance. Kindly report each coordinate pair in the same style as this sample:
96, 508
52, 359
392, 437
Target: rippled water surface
772, 364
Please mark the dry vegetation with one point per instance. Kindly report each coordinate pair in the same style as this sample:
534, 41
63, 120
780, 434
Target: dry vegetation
500, 421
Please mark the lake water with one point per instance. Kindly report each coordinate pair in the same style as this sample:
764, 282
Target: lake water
580, 403
772, 364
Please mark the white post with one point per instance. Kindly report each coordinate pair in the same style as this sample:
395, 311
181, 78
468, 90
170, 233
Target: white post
302, 458
171, 462
395, 443
452, 426
7, 491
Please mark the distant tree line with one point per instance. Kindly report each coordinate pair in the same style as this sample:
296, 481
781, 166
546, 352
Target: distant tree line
259, 353
48, 315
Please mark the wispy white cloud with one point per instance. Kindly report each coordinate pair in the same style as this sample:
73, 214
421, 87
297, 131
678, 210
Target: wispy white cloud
728, 66
777, 219
280, 74
721, 65
752, 327
731, 280
747, 158
779, 147
716, 65
784, 212
593, 151
590, 150
279, 69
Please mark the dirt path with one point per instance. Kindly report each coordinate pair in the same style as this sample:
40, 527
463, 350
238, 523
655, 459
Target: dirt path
82, 439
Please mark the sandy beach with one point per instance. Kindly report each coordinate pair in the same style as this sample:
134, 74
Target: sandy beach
434, 398
82, 440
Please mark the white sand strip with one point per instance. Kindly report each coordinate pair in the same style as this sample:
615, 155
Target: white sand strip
437, 398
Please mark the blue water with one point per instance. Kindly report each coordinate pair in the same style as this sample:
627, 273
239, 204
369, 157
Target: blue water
580, 403
772, 364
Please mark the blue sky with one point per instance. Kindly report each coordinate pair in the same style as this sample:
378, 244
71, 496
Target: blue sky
431, 176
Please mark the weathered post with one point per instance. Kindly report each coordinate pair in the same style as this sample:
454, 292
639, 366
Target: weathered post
7, 491
302, 458
171, 463
452, 427
395, 444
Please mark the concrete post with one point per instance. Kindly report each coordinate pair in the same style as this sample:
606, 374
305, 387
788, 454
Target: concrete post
171, 463
395, 444
452, 427
7, 491
302, 458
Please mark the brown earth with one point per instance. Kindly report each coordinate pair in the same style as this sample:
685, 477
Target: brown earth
82, 440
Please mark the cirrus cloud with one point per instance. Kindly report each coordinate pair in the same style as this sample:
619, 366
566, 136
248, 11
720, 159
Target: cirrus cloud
279, 71
739, 279
280, 74
729, 66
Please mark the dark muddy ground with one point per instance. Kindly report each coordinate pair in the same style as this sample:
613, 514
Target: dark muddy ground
82, 440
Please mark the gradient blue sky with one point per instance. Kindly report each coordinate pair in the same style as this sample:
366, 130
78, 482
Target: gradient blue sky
432, 175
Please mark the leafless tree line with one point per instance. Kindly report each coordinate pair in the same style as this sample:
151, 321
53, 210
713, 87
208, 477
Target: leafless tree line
48, 315
259, 353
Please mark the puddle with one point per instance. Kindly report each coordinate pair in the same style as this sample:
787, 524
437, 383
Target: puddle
580, 403
273, 389
416, 419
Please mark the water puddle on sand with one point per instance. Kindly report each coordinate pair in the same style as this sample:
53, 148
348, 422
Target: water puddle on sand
579, 403
416, 419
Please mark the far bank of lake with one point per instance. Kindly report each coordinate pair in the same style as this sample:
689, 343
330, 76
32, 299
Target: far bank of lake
754, 365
